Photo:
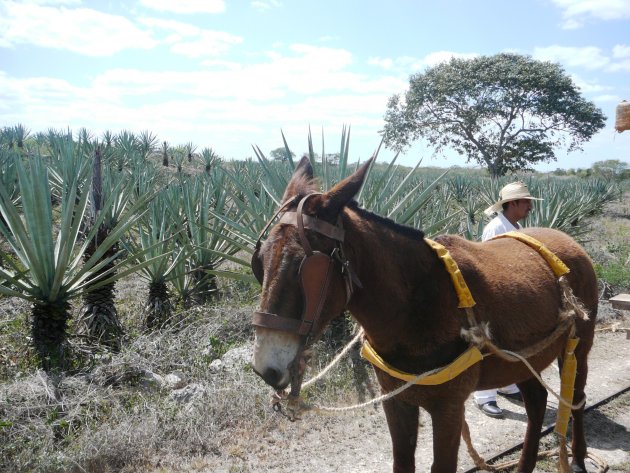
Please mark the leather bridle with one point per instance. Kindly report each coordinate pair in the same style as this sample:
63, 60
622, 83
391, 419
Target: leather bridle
316, 271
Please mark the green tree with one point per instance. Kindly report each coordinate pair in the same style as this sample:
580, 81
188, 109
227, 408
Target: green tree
504, 112
280, 154
610, 169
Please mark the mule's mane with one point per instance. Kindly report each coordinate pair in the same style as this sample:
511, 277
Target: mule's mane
388, 223
304, 185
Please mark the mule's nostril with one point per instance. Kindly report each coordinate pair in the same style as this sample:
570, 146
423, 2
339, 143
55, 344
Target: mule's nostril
272, 377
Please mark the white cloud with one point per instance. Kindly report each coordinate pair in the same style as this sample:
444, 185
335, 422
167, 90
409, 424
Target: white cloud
589, 57
607, 98
576, 12
620, 66
293, 88
207, 43
186, 6
53, 2
178, 27
588, 87
79, 30
265, 5
437, 57
621, 51
189, 40
385, 63
407, 63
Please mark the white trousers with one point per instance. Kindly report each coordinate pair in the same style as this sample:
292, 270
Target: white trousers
487, 395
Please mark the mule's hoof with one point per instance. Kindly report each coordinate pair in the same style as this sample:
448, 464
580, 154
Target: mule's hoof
575, 468
491, 409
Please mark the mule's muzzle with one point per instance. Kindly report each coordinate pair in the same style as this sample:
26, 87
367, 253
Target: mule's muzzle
274, 378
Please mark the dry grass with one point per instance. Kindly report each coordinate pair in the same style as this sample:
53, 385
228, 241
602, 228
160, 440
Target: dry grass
112, 415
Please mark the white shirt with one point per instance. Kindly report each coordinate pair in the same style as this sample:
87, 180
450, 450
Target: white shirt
497, 226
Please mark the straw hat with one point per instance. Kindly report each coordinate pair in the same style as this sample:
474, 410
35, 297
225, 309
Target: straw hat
513, 191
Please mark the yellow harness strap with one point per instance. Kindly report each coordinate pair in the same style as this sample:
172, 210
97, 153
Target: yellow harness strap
556, 264
461, 288
466, 301
439, 376
567, 383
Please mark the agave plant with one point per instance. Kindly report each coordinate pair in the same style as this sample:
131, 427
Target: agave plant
391, 192
165, 151
154, 249
52, 270
98, 317
210, 159
147, 142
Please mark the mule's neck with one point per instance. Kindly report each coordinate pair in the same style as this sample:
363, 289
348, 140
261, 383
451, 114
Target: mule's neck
402, 299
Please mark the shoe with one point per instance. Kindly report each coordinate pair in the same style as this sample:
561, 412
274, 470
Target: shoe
491, 409
517, 396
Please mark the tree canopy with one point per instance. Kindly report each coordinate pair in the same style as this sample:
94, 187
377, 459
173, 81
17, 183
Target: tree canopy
280, 154
505, 112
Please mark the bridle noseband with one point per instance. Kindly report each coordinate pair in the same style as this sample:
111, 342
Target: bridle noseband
316, 271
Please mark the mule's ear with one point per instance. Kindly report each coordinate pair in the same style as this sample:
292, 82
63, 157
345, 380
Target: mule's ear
302, 176
344, 191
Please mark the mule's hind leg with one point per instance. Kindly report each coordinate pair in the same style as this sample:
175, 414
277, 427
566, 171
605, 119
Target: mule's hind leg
535, 399
578, 442
402, 420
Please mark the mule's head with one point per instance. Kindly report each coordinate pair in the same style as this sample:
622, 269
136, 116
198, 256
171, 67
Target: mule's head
299, 266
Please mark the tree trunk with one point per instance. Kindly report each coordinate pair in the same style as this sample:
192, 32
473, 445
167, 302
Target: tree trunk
158, 307
48, 329
98, 319
205, 285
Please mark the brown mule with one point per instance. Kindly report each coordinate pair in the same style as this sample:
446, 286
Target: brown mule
400, 293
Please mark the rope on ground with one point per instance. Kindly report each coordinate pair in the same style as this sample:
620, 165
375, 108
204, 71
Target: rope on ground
481, 464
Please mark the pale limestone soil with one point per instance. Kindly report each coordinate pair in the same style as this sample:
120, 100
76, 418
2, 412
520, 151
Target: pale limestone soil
358, 441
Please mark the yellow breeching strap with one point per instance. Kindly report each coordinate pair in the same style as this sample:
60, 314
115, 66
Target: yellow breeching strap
567, 382
569, 366
433, 377
461, 288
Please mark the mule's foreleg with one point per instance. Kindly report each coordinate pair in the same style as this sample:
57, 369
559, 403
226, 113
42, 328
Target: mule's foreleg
402, 420
535, 399
446, 418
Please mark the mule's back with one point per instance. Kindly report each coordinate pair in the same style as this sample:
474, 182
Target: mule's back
515, 289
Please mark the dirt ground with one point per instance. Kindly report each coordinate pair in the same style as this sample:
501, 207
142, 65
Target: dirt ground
358, 441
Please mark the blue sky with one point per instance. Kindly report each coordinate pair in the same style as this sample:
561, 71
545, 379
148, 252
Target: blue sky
232, 74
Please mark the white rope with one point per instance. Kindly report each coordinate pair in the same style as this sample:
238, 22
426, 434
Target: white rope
376, 400
541, 381
341, 354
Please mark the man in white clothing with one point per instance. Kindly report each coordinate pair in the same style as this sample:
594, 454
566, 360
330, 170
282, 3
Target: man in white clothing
514, 204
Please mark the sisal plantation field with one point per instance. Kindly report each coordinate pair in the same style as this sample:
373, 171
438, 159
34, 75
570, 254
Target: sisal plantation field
126, 293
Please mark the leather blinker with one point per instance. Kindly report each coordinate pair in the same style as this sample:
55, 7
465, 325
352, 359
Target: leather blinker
315, 272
